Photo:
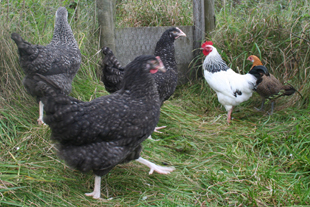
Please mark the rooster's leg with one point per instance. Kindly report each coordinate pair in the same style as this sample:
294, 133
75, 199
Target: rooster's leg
229, 115
96, 193
153, 167
40, 119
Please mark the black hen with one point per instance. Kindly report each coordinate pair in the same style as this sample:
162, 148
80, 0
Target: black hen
166, 82
58, 61
109, 130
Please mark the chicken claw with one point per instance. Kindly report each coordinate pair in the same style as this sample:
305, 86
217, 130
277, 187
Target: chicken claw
157, 168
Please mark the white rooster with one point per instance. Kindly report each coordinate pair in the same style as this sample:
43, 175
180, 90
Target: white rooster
231, 88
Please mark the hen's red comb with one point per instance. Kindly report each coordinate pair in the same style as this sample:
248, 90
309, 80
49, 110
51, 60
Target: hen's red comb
207, 43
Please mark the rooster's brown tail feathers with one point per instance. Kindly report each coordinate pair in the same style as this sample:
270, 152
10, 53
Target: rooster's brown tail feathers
288, 90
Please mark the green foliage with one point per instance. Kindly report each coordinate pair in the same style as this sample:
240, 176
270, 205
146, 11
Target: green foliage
258, 160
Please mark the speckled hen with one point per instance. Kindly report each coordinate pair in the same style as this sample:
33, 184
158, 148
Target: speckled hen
98, 135
167, 82
58, 61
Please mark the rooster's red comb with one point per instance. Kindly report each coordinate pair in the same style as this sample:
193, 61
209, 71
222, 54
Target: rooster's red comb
207, 43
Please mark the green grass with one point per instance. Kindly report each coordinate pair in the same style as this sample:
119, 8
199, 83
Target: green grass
257, 160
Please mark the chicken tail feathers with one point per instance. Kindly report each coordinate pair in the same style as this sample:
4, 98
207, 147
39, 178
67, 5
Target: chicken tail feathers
112, 70
53, 98
24, 47
290, 90
46, 85
110, 59
17, 39
286, 90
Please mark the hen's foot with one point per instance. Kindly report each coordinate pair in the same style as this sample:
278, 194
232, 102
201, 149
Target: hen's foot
157, 168
40, 122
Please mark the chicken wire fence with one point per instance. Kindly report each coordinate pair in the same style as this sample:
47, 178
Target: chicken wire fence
132, 42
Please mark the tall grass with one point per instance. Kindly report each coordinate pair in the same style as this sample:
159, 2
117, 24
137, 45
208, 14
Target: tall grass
258, 160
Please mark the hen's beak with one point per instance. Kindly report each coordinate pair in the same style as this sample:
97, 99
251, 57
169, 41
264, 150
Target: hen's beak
181, 33
98, 52
161, 66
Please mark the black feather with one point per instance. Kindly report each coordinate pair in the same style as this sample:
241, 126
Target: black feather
258, 72
237, 92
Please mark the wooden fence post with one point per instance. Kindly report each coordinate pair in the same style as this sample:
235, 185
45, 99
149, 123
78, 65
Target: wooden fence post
209, 16
199, 25
204, 20
105, 9
204, 24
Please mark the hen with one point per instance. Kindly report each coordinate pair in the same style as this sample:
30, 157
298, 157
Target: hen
58, 61
270, 87
231, 88
98, 135
166, 82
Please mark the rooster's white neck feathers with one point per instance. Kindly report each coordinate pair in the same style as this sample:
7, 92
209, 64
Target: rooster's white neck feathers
214, 62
